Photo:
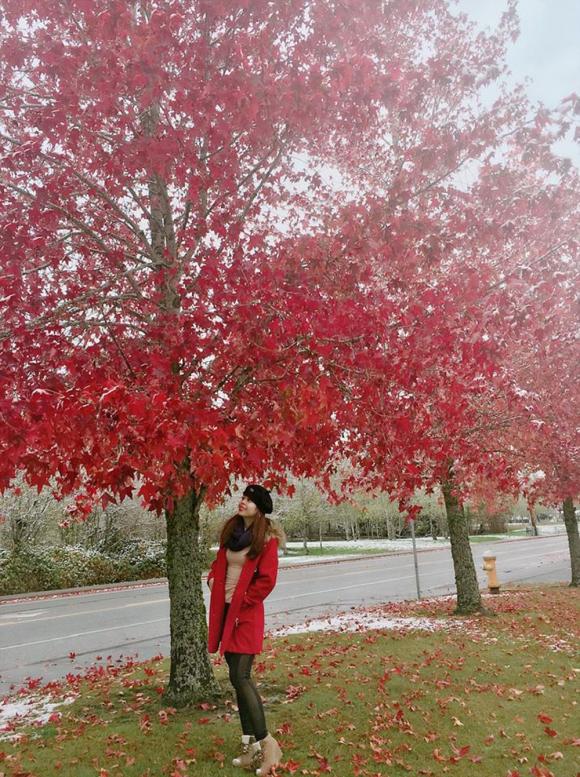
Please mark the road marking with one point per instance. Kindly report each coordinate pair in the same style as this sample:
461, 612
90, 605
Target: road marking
348, 587
84, 612
82, 634
31, 614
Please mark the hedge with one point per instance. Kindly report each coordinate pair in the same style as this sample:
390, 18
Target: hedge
53, 567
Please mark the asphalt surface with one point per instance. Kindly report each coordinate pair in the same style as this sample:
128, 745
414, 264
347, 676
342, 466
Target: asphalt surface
50, 636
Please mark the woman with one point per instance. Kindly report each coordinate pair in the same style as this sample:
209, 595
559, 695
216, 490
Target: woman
240, 578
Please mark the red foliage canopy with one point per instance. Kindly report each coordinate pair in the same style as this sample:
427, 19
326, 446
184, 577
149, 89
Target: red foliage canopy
228, 231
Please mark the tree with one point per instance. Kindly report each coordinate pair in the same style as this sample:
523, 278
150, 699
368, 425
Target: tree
25, 516
449, 421
543, 441
155, 324
571, 523
183, 293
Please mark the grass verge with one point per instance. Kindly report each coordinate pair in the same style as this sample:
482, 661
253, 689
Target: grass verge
488, 697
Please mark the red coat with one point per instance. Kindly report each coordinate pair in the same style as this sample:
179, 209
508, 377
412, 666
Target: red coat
243, 630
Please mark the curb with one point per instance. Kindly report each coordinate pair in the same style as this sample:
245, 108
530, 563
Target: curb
156, 581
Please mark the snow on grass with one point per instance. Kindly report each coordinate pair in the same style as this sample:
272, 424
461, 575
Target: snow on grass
354, 546
30, 710
367, 621
378, 545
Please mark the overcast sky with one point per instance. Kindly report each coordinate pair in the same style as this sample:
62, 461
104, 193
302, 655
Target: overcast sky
548, 49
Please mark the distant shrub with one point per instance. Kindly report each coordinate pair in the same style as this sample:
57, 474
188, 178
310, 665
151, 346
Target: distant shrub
28, 570
69, 566
146, 558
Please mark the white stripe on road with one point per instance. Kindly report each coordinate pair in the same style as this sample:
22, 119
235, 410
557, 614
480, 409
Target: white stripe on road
84, 612
82, 634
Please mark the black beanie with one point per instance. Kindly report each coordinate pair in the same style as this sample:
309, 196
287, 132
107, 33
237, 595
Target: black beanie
260, 496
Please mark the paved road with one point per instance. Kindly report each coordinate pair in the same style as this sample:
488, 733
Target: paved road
36, 636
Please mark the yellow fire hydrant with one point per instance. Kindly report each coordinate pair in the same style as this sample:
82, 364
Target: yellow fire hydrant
489, 567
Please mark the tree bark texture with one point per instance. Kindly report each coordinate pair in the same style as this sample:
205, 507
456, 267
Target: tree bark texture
468, 594
571, 523
191, 677
533, 518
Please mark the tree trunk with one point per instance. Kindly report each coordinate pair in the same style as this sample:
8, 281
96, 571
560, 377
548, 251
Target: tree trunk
468, 595
18, 532
571, 524
433, 528
191, 676
533, 519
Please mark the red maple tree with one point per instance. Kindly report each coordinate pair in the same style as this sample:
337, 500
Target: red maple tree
447, 407
219, 227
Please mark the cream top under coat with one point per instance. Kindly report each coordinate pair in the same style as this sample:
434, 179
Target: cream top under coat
236, 560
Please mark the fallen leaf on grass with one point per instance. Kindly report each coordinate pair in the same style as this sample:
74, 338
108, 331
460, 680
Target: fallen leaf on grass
540, 771
290, 766
293, 692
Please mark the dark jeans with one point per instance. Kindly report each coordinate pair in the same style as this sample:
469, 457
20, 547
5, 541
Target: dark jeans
249, 702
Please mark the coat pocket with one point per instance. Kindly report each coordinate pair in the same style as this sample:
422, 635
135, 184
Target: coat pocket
247, 614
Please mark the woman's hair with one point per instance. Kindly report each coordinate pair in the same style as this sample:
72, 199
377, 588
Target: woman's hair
260, 526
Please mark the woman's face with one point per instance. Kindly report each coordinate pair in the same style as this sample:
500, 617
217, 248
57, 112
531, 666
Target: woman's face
247, 508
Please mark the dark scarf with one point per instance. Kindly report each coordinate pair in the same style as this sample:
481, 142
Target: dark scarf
241, 537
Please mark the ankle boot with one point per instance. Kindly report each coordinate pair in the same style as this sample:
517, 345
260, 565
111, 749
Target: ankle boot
249, 748
268, 755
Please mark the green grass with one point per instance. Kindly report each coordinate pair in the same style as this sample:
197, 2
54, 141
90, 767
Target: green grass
341, 550
491, 697
487, 537
331, 550
315, 550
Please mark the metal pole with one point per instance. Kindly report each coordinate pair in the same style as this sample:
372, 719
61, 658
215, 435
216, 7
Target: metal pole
412, 522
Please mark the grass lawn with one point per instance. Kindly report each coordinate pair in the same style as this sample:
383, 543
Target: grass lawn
342, 550
338, 550
329, 549
481, 697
